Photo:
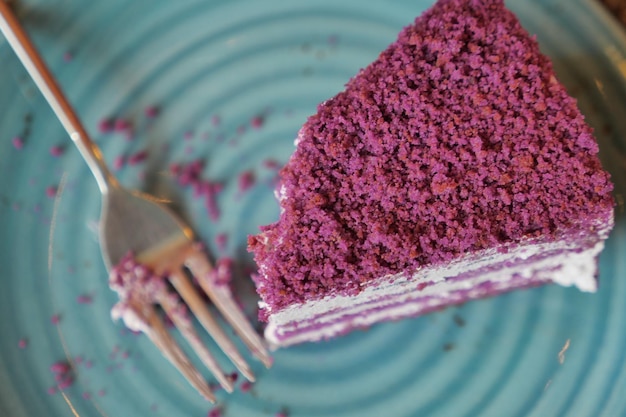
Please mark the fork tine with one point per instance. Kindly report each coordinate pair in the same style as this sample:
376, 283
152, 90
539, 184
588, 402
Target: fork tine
171, 304
159, 335
187, 291
221, 296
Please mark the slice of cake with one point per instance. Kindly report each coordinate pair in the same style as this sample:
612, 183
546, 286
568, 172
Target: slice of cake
454, 167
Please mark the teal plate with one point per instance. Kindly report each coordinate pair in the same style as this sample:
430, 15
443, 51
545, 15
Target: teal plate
234, 80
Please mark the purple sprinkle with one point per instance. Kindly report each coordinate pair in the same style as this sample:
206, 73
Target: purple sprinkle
257, 122
205, 136
89, 364
282, 414
189, 150
56, 151
106, 125
51, 191
101, 393
188, 135
246, 181
18, 143
23, 343
138, 157
84, 299
52, 390
125, 354
233, 377
241, 130
216, 120
333, 40
55, 319
67, 56
152, 111
87, 395
78, 360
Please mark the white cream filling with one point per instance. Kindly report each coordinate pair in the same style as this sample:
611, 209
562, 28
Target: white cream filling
398, 296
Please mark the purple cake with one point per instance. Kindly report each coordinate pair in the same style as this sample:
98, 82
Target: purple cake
454, 167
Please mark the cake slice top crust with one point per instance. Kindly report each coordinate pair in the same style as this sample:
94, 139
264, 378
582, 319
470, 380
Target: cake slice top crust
457, 138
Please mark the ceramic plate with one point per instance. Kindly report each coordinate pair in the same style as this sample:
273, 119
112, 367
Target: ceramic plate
233, 81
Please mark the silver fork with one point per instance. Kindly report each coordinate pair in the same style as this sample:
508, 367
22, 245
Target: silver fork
136, 222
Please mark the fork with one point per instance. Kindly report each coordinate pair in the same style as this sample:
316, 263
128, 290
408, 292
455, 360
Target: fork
135, 222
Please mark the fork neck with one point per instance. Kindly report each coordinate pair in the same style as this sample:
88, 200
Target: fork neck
94, 159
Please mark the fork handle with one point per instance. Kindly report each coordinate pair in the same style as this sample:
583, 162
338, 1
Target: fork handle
27, 53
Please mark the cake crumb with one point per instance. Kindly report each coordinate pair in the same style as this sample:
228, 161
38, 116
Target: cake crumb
56, 151
215, 412
152, 112
106, 125
51, 191
84, 299
257, 122
246, 181
18, 143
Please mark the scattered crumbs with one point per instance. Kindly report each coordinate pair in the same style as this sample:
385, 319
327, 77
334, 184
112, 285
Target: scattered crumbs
67, 56
18, 142
60, 367
125, 354
205, 136
246, 181
152, 111
62, 375
106, 125
22, 343
221, 240
79, 359
51, 191
241, 130
55, 319
257, 122
245, 386
448, 347
89, 364
458, 320
215, 412
84, 299
138, 157
118, 162
189, 150
56, 151
101, 393
216, 120
188, 135
52, 390
37, 208
87, 395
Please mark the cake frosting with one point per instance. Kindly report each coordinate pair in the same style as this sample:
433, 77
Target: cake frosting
453, 167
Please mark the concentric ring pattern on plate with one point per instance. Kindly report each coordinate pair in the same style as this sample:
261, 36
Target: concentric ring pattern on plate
233, 82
